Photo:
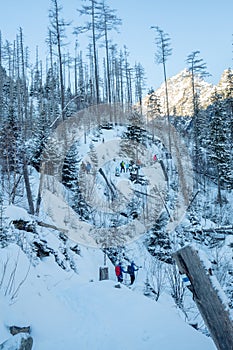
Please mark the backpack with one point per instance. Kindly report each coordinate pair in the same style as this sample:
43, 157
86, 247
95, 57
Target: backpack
118, 270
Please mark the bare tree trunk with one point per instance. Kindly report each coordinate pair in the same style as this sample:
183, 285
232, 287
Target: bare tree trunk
39, 195
57, 33
23, 89
207, 296
27, 186
60, 61
219, 197
167, 107
107, 64
95, 52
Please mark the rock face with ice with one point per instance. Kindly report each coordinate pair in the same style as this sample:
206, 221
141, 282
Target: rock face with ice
180, 93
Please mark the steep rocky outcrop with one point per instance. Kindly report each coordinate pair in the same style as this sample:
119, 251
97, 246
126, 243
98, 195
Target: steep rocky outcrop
180, 93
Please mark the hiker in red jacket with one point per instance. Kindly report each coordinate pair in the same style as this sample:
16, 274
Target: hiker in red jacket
119, 272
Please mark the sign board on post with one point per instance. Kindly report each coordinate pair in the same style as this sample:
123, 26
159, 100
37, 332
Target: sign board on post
103, 273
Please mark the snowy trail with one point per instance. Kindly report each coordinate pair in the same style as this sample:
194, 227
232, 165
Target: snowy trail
74, 311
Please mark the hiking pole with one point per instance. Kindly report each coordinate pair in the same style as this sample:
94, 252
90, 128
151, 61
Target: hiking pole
139, 267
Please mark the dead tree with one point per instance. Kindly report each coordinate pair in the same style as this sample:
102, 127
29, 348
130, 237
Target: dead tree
57, 33
206, 295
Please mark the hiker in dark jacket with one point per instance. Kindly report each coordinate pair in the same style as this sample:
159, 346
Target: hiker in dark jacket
131, 271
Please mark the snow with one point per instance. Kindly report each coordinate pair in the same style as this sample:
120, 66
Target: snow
108, 155
76, 311
13, 212
70, 308
66, 219
222, 296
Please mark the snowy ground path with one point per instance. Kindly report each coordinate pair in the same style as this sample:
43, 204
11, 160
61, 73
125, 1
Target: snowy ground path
68, 311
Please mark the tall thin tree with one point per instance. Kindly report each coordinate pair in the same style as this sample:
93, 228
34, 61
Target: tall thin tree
139, 83
57, 35
197, 69
108, 21
220, 151
92, 10
164, 50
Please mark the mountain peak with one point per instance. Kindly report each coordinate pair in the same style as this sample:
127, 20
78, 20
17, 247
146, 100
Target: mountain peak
180, 93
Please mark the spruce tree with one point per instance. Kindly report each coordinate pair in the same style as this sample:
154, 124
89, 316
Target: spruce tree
139, 83
39, 139
228, 94
197, 69
70, 168
219, 148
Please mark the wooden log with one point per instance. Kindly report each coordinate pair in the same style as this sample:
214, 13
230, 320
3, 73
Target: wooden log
107, 182
53, 227
207, 297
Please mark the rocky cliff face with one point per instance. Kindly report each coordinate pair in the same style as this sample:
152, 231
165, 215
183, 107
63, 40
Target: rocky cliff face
180, 93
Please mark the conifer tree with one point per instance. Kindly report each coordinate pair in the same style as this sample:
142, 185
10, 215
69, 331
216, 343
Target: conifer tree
229, 101
70, 168
10, 152
127, 71
139, 83
52, 95
153, 110
197, 69
82, 100
36, 80
38, 141
115, 73
158, 242
1, 77
219, 147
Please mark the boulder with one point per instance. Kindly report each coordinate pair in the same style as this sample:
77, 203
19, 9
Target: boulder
20, 341
15, 329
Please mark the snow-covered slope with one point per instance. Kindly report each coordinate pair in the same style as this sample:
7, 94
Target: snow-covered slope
73, 311
50, 281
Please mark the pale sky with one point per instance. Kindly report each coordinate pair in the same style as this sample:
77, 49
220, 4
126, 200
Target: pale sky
204, 25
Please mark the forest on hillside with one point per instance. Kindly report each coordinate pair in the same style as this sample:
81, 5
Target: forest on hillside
35, 97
